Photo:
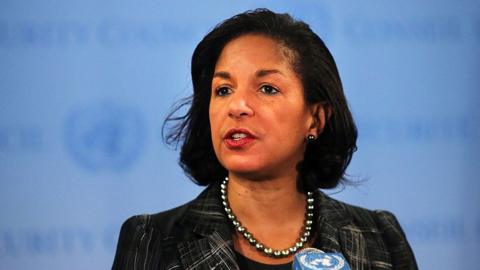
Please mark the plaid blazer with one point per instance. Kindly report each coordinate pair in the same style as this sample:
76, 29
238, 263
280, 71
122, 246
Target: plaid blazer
197, 235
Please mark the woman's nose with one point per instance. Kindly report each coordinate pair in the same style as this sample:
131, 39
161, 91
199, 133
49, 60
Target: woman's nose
240, 106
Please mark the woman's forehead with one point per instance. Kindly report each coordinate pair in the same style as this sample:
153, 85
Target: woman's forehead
255, 49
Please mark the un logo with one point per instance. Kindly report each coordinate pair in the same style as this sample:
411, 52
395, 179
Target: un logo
315, 259
105, 136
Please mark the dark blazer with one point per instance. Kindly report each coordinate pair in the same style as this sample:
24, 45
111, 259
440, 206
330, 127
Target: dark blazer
197, 235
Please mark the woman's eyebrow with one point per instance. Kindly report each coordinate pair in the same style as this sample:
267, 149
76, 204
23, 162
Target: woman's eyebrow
260, 73
265, 72
222, 74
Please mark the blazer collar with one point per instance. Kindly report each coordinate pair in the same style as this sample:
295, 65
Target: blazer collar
205, 217
214, 248
205, 214
332, 218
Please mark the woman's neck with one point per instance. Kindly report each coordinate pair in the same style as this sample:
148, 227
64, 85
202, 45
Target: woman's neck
272, 199
272, 210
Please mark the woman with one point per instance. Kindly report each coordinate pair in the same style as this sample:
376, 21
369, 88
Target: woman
268, 126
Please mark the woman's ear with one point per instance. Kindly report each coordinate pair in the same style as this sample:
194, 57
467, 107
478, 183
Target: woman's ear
321, 112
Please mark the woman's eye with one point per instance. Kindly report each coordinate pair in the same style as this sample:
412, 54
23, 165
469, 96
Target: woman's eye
222, 91
268, 89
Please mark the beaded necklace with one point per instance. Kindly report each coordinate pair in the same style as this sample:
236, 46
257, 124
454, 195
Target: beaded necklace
302, 240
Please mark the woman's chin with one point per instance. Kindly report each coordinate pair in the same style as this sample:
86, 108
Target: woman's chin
245, 170
253, 172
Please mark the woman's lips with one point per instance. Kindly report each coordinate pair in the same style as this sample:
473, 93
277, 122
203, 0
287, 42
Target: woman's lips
238, 138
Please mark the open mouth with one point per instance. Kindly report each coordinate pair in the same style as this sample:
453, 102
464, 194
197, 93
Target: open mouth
236, 138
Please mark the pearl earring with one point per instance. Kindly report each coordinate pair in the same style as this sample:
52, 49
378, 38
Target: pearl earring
311, 137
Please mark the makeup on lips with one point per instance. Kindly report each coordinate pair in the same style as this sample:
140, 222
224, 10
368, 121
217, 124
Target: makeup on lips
238, 138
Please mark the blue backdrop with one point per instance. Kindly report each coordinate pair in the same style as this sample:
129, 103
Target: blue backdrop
85, 86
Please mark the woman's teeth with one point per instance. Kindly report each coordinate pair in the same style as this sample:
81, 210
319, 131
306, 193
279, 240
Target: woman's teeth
238, 136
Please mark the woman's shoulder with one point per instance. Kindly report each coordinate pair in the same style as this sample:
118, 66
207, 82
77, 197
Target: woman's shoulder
379, 228
203, 206
359, 216
162, 221
140, 233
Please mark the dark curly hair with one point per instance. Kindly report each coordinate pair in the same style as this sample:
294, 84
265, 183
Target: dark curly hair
326, 158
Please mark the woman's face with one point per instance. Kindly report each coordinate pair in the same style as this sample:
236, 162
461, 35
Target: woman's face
258, 116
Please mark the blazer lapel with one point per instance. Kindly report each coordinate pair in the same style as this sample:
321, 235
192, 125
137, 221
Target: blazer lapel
212, 252
354, 247
212, 246
338, 233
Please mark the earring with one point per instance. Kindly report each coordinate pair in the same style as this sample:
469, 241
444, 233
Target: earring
311, 137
